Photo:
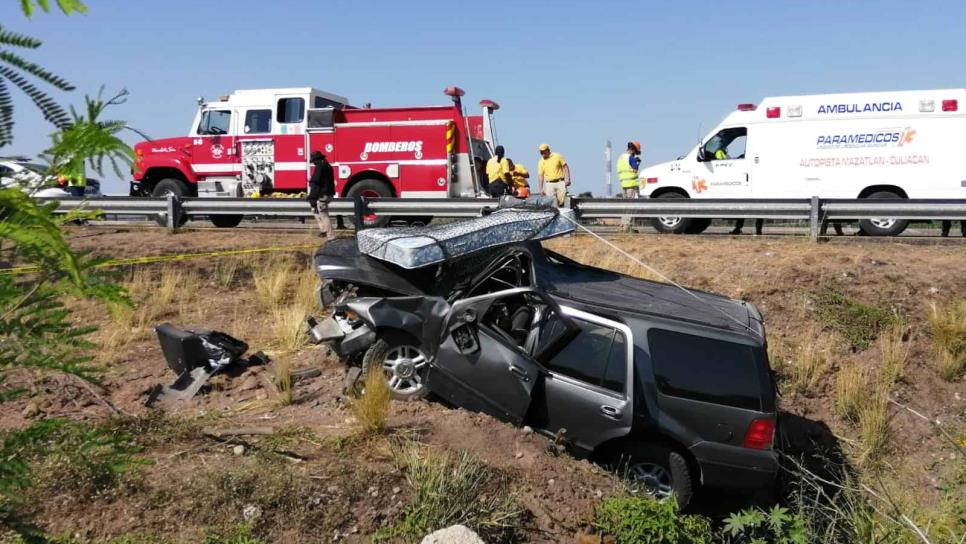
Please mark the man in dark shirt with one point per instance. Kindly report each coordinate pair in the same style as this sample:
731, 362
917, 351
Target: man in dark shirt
321, 190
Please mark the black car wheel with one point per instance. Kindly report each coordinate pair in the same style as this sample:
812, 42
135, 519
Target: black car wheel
657, 471
404, 362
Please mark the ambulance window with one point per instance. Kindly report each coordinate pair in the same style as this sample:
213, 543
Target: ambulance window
730, 140
291, 110
214, 122
258, 121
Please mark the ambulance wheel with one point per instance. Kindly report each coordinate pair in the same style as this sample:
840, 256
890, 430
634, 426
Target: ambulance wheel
372, 188
170, 186
672, 225
883, 226
226, 221
698, 226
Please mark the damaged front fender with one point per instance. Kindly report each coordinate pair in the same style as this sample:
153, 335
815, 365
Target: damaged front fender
420, 317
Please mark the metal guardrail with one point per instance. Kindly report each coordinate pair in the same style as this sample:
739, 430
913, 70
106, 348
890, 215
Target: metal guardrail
814, 210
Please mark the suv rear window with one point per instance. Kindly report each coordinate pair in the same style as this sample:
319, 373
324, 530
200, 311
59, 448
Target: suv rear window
705, 369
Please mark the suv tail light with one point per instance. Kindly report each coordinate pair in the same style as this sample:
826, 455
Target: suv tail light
760, 434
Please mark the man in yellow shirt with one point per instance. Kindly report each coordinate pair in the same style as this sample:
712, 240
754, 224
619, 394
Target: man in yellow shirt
553, 174
496, 168
517, 176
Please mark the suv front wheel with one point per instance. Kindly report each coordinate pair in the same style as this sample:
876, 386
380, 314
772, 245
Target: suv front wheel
657, 471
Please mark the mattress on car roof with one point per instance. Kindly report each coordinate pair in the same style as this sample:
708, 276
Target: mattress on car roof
415, 247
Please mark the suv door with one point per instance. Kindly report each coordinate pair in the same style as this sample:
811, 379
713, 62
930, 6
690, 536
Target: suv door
482, 364
585, 396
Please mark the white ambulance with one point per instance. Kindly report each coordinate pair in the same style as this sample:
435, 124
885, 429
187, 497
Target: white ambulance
906, 144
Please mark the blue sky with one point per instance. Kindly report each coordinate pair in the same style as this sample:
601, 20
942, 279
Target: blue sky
572, 74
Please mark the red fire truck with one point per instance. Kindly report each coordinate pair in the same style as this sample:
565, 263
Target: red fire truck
259, 141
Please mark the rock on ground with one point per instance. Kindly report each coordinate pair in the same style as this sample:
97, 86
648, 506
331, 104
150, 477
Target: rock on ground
457, 534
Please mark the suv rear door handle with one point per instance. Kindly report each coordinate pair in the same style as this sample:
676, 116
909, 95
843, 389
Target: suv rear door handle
519, 373
610, 411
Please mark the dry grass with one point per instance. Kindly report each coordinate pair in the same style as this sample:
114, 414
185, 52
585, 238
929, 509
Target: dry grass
287, 329
271, 283
305, 290
226, 270
283, 383
371, 406
874, 427
894, 353
851, 387
808, 363
948, 325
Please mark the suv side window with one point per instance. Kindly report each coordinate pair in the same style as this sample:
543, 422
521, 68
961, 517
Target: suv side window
215, 122
596, 355
291, 110
705, 369
258, 121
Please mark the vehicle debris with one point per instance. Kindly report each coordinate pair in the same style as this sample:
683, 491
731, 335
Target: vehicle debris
671, 386
195, 355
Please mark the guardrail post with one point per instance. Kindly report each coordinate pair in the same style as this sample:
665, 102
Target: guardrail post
174, 212
813, 219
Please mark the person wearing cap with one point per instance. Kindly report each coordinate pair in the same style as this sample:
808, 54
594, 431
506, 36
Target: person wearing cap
553, 174
496, 168
627, 166
321, 190
517, 176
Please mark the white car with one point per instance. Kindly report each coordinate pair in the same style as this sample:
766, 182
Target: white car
33, 178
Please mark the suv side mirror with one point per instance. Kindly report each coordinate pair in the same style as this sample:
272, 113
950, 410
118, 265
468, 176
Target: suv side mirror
702, 154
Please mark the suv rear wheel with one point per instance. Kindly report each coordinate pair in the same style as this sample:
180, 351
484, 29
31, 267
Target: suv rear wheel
657, 471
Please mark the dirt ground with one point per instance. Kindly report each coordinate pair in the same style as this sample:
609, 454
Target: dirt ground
355, 484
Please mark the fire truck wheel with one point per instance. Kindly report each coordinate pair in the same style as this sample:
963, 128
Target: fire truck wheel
372, 188
170, 186
671, 224
883, 226
226, 221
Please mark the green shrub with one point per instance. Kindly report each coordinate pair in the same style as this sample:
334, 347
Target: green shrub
449, 488
638, 520
777, 526
858, 323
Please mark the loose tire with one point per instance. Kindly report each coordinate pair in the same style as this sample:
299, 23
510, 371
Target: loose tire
883, 226
372, 188
404, 362
673, 225
226, 221
659, 471
170, 186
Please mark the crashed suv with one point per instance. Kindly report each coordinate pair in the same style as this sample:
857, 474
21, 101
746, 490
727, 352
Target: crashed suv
670, 385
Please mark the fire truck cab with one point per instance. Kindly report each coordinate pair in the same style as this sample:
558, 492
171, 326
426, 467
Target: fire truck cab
258, 142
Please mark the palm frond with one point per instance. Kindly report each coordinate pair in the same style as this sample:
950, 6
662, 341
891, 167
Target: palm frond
51, 110
36, 71
13, 39
66, 6
6, 115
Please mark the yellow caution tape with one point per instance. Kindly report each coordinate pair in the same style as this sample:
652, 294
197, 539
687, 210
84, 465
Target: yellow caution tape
164, 258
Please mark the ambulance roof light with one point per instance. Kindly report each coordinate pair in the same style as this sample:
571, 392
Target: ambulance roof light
746, 107
950, 105
794, 111
773, 112
927, 105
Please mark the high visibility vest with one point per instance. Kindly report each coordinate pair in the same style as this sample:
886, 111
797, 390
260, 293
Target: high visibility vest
77, 181
625, 173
